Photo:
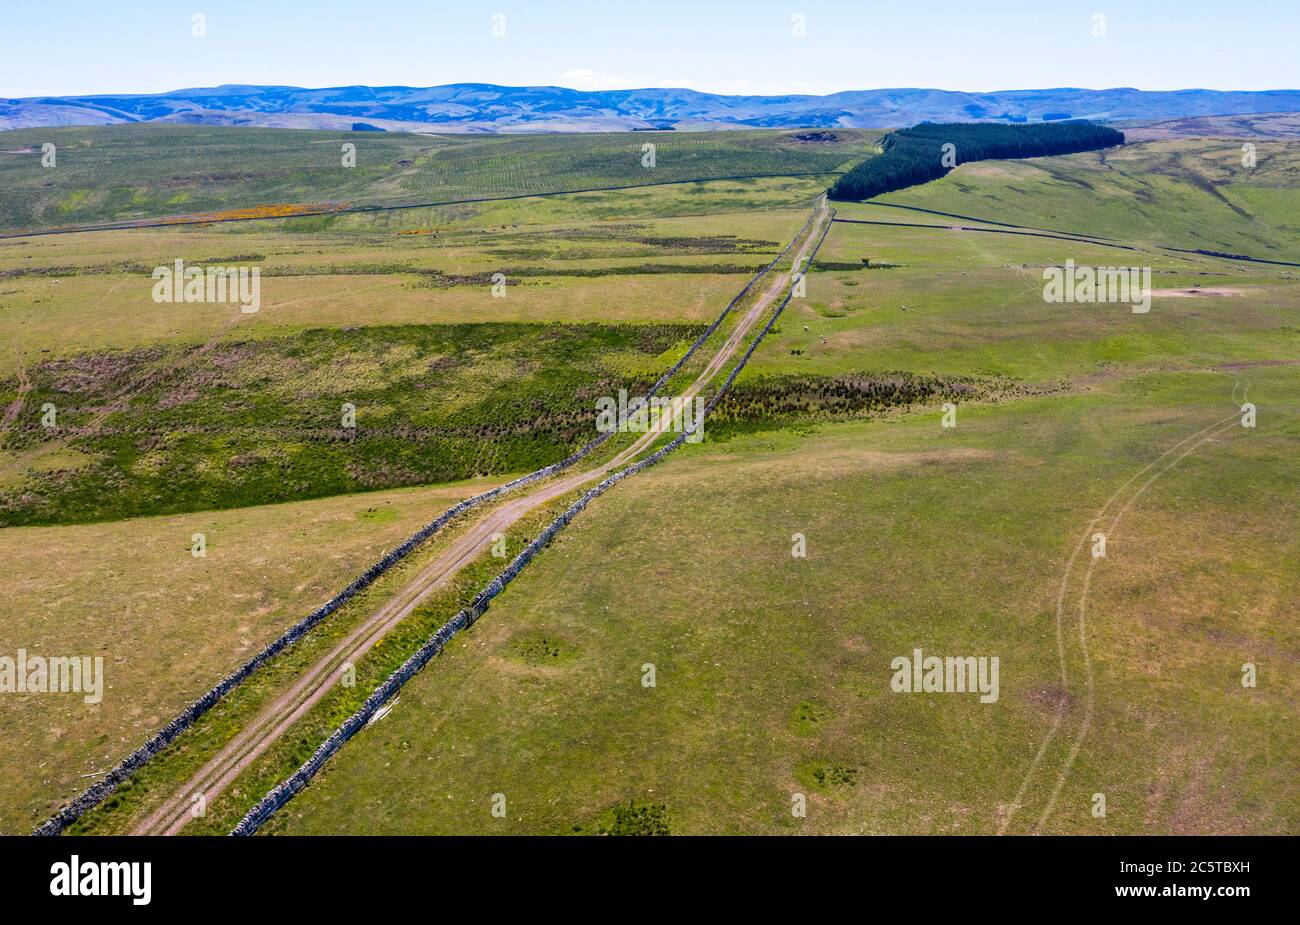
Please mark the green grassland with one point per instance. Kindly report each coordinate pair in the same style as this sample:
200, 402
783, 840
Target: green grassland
359, 309
1191, 193
255, 418
964, 310
262, 421
773, 671
161, 776
123, 173
188, 407
168, 624
950, 543
971, 304
71, 294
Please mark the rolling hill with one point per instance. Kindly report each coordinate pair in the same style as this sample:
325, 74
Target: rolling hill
474, 107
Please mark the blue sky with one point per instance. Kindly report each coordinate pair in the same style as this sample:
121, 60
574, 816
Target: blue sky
60, 47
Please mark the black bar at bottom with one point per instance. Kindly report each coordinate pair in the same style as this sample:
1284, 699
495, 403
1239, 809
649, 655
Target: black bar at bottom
943, 874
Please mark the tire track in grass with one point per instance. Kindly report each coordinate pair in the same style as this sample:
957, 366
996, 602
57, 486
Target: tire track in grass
1178, 451
1090, 700
1205, 434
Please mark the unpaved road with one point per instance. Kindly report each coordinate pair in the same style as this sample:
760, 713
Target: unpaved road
308, 689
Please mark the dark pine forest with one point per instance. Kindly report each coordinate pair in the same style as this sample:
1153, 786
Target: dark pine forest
916, 155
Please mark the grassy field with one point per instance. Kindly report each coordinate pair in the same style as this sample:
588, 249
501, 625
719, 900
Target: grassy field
123, 173
323, 412
408, 319
75, 294
971, 304
188, 407
1190, 193
772, 672
167, 624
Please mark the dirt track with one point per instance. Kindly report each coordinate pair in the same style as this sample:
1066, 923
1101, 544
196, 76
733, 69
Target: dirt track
306, 691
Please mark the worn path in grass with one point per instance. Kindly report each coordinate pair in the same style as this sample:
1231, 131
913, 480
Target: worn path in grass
1178, 452
279, 716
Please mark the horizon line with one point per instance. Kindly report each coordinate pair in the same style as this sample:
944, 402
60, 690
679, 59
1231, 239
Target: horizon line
474, 83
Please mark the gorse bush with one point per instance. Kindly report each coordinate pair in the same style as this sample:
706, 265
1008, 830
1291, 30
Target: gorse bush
917, 155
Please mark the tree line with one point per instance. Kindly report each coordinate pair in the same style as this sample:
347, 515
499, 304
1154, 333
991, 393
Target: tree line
928, 151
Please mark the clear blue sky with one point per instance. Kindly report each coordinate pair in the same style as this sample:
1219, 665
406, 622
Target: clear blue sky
60, 47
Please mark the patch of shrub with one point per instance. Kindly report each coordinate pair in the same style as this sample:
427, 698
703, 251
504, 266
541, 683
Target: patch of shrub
808, 717
825, 775
175, 428
541, 649
632, 817
767, 401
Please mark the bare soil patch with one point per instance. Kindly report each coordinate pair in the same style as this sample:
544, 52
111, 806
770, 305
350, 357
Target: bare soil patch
1194, 293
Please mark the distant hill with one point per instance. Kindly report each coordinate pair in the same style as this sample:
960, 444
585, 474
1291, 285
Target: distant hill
1274, 125
488, 108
